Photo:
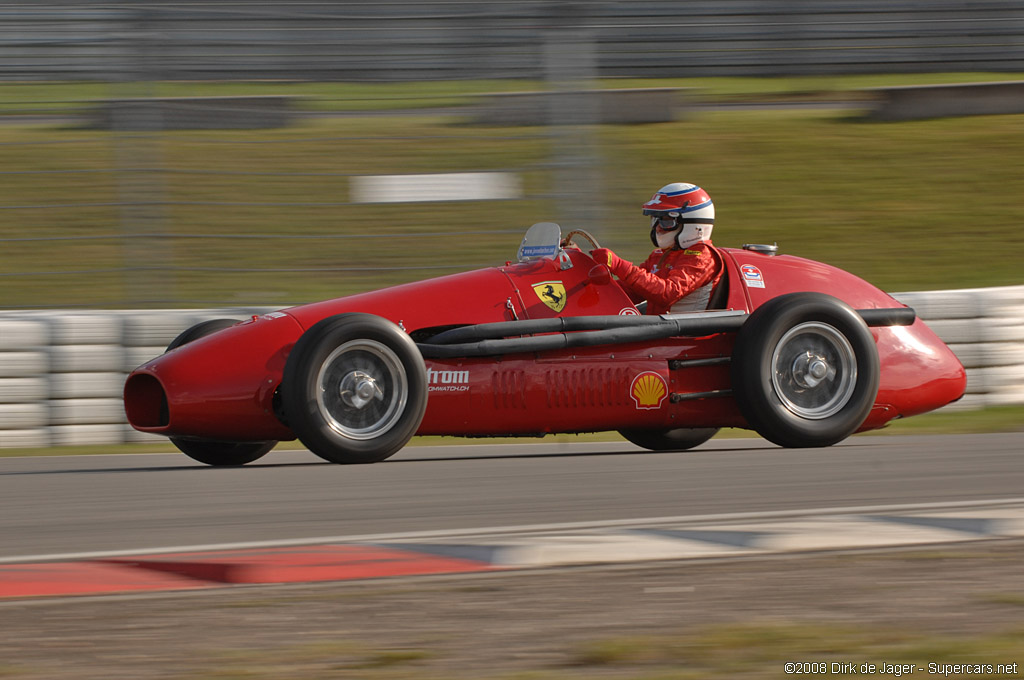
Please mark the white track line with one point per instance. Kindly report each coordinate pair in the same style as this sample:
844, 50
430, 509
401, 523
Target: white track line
522, 530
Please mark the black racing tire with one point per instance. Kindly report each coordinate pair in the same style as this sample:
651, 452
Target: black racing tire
210, 451
805, 370
678, 439
354, 388
222, 454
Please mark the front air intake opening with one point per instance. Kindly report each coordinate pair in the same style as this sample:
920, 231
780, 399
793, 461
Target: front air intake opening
145, 402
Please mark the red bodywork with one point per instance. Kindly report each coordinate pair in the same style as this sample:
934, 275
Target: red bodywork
223, 386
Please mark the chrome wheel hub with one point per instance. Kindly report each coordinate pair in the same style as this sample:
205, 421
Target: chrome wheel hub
358, 389
362, 389
814, 370
809, 370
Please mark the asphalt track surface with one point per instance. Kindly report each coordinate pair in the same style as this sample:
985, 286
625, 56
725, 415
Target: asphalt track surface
63, 507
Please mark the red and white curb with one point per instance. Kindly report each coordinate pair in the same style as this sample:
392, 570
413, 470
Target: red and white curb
505, 548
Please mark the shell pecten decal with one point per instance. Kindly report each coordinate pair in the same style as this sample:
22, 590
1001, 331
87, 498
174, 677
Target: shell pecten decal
648, 390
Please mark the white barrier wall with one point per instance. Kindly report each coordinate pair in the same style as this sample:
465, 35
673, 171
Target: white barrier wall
985, 328
62, 372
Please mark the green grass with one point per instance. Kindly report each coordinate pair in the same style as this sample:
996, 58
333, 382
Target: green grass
992, 419
18, 98
821, 88
214, 188
761, 650
1007, 599
56, 98
916, 205
318, 659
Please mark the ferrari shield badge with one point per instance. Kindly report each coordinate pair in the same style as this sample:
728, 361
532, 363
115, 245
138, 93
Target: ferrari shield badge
551, 293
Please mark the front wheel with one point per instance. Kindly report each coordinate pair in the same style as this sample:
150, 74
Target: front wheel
805, 370
354, 388
678, 439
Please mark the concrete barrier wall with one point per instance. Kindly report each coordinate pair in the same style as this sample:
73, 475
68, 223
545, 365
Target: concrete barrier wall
62, 372
602, 107
194, 113
940, 101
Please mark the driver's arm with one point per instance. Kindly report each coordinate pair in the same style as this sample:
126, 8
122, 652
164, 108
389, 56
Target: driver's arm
687, 273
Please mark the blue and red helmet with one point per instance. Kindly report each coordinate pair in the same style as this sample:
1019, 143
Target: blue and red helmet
683, 207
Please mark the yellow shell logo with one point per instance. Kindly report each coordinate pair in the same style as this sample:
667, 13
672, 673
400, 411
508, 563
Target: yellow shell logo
648, 390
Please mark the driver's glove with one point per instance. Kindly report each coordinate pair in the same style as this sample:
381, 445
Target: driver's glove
616, 264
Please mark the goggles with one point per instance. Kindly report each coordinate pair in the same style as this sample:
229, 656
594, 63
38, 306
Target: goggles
666, 222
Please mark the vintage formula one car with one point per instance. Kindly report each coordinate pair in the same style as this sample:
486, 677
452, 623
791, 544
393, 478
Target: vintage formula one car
802, 352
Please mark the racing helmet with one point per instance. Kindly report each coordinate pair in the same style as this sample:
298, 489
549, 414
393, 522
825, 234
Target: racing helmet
686, 206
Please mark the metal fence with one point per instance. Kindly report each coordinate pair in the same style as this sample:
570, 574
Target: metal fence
458, 39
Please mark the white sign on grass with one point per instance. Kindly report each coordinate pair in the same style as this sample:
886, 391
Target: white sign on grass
451, 186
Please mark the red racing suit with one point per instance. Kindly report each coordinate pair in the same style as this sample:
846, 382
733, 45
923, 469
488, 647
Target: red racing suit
668, 276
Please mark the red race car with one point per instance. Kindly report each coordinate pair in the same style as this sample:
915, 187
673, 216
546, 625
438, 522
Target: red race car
803, 353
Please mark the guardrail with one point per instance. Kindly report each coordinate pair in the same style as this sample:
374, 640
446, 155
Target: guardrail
62, 372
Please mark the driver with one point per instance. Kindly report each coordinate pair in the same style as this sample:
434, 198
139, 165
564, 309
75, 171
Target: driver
684, 268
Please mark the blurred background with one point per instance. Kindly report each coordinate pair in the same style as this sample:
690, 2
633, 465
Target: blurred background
180, 154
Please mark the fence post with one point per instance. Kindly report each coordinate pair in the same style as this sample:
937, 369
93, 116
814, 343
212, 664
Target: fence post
136, 126
570, 64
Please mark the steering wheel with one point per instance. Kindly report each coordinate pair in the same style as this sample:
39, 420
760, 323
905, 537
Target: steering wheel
570, 239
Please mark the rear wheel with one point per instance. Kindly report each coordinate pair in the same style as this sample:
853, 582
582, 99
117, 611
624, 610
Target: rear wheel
210, 451
354, 388
222, 454
805, 370
679, 439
